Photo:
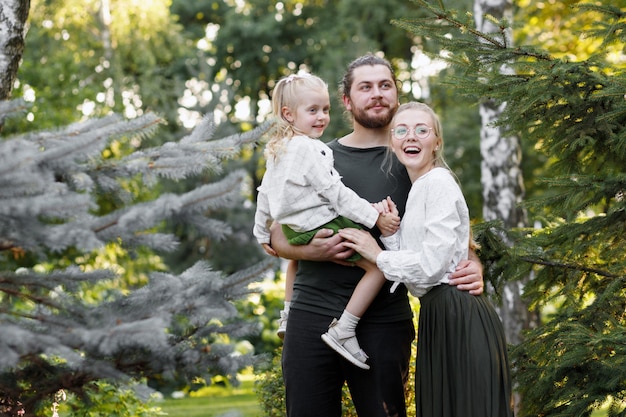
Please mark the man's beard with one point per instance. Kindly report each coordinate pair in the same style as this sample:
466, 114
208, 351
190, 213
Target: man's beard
373, 122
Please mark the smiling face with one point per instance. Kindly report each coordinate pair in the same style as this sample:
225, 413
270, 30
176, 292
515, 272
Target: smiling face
312, 113
417, 150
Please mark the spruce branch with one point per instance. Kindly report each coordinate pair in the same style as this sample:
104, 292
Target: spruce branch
446, 16
570, 266
52, 188
490, 47
127, 222
192, 155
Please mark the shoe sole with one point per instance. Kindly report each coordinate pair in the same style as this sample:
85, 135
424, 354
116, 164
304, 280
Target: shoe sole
332, 342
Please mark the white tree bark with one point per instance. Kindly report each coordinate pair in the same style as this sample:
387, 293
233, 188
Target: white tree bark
13, 15
502, 180
501, 175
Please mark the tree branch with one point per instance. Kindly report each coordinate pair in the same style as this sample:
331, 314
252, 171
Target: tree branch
573, 267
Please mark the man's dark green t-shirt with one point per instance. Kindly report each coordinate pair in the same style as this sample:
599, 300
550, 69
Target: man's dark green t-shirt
325, 287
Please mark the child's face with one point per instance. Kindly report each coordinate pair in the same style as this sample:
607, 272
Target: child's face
416, 147
311, 116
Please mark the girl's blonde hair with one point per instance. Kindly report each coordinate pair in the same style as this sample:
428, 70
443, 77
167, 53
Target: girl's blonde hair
287, 94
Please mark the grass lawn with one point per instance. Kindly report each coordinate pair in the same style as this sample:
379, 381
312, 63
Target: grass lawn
215, 401
246, 404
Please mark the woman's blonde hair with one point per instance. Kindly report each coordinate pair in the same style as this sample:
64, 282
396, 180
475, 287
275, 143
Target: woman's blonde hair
287, 93
439, 160
437, 129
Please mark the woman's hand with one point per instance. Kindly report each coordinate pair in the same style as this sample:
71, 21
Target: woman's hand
362, 242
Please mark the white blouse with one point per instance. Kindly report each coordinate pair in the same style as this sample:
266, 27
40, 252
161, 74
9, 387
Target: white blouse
433, 236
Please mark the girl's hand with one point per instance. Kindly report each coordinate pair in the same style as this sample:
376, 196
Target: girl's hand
268, 249
391, 206
388, 224
386, 206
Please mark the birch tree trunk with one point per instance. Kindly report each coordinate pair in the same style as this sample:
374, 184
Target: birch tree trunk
13, 15
105, 19
501, 177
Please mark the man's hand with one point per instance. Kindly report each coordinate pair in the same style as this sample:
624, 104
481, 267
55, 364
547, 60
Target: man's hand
325, 246
468, 276
328, 246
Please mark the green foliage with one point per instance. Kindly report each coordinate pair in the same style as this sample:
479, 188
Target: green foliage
79, 63
265, 307
461, 132
103, 399
570, 109
557, 30
271, 390
259, 41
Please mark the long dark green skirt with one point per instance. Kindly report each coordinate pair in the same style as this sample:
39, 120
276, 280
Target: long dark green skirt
462, 367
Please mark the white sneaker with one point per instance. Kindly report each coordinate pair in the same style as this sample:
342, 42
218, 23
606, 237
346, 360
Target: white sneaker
282, 324
346, 344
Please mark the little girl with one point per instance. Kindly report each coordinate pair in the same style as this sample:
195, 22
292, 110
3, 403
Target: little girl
303, 192
462, 368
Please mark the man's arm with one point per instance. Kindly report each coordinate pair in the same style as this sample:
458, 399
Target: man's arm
469, 275
325, 246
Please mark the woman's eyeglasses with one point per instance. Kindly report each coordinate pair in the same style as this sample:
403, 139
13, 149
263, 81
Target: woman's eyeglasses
401, 131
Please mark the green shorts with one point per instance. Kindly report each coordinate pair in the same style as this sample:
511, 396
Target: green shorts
338, 223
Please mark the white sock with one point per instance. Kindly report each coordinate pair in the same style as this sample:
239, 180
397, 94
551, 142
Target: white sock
348, 321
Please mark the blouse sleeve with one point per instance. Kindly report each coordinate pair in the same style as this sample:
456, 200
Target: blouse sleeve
391, 242
262, 218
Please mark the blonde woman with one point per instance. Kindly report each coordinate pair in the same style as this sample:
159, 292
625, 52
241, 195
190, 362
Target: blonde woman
462, 368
